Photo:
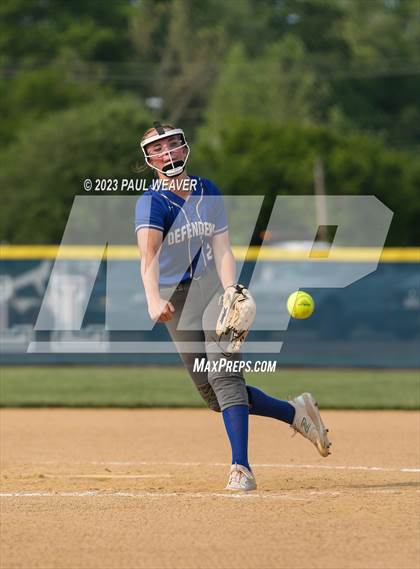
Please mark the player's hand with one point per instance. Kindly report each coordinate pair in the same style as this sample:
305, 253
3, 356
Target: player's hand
161, 310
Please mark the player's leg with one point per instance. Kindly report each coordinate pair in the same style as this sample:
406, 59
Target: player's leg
235, 416
232, 396
301, 413
266, 406
190, 338
229, 386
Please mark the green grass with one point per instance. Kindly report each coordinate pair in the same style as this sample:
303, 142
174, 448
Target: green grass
171, 387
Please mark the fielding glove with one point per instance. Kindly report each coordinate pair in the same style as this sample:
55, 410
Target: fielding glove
236, 316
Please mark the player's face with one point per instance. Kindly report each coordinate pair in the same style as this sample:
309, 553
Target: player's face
164, 152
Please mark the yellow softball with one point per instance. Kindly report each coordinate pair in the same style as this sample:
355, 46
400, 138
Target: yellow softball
300, 305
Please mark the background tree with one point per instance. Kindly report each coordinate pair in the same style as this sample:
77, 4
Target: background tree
54, 55
181, 45
259, 157
277, 86
45, 168
380, 92
312, 72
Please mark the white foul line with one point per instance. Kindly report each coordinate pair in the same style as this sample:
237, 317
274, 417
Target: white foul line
293, 495
98, 476
263, 465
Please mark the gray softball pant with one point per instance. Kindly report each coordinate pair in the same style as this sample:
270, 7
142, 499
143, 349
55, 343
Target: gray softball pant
192, 328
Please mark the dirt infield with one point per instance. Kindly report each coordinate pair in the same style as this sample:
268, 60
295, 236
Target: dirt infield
144, 489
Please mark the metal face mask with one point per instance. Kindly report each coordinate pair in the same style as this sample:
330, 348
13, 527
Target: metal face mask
173, 167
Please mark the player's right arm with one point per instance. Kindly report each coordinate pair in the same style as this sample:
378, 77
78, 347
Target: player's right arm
149, 242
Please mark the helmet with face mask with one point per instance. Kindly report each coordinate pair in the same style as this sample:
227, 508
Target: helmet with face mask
174, 167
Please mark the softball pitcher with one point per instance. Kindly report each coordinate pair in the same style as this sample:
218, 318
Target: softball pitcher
186, 266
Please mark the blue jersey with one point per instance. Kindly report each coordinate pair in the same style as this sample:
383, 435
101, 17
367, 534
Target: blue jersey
188, 227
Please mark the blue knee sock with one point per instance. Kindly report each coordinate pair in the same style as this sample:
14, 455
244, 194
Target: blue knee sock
236, 423
262, 404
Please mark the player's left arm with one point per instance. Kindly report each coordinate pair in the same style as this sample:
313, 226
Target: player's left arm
224, 259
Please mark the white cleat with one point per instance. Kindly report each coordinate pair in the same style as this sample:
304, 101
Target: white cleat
308, 422
240, 478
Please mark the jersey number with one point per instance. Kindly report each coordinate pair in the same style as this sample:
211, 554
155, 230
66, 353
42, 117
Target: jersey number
209, 252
